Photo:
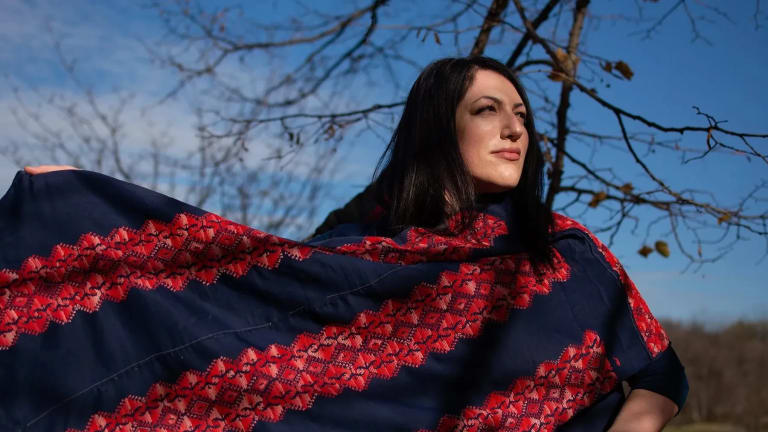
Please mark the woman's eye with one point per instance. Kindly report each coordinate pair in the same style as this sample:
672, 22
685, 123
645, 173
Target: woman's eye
521, 115
490, 108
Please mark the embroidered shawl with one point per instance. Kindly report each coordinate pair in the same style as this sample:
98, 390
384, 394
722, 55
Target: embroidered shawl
122, 309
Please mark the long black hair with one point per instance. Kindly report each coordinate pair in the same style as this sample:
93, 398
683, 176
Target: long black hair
422, 178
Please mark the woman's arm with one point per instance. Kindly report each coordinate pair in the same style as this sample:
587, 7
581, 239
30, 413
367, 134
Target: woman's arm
643, 411
645, 357
658, 392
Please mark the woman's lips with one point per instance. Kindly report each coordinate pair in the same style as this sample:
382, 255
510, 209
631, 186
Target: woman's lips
510, 154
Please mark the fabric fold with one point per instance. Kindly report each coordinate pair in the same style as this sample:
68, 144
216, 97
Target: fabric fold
124, 309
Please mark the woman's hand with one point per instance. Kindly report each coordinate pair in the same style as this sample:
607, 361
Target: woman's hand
644, 411
42, 169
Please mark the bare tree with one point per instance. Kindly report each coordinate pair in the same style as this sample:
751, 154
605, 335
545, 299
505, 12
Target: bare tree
725, 369
317, 78
346, 50
90, 130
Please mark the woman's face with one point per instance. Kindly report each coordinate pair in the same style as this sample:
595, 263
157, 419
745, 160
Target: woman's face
490, 126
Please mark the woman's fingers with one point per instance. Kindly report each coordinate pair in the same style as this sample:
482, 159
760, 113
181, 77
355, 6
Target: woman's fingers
42, 169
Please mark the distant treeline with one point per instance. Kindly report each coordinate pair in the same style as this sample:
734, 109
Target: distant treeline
727, 371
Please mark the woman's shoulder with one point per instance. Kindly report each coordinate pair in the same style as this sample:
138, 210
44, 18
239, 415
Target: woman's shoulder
565, 227
343, 232
355, 215
562, 224
573, 235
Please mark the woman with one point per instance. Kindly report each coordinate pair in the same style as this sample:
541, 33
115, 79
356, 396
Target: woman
465, 151
479, 143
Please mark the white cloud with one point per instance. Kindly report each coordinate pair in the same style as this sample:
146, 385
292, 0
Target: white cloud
92, 33
110, 60
103, 38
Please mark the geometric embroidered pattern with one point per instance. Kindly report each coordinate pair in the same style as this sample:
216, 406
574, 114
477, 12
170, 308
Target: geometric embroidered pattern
423, 245
551, 397
95, 269
260, 385
653, 334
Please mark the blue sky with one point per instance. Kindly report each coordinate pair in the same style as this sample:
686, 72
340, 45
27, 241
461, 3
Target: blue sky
726, 78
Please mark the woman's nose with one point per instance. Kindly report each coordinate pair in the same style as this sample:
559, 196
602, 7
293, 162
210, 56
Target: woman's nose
513, 129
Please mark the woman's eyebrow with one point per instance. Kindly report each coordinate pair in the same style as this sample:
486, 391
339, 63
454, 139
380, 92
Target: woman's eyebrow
495, 99
498, 101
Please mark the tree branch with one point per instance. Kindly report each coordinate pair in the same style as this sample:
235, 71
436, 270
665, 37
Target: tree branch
569, 69
523, 42
491, 20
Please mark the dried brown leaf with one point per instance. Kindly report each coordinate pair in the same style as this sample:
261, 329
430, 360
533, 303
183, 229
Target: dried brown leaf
645, 251
627, 188
662, 248
556, 76
624, 69
597, 199
725, 217
330, 132
562, 56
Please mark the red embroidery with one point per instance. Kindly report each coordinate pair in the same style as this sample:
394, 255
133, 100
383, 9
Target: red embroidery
81, 276
653, 334
262, 385
95, 269
556, 392
423, 245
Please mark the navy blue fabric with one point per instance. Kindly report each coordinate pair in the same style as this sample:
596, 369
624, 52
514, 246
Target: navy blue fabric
664, 375
58, 379
604, 308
